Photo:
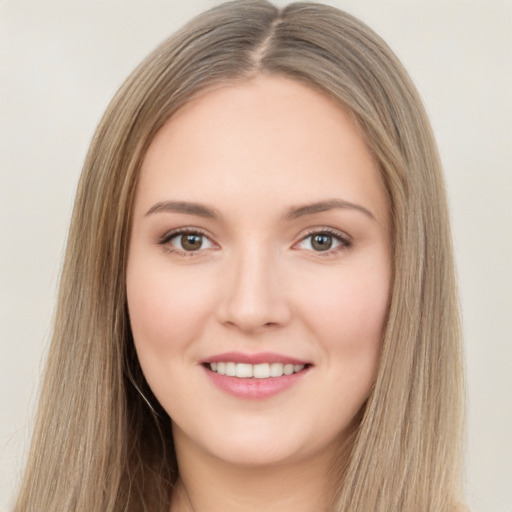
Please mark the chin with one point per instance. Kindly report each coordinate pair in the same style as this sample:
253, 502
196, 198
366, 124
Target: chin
265, 445
258, 456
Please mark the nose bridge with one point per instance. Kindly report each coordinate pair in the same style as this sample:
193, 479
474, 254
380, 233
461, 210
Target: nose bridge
255, 296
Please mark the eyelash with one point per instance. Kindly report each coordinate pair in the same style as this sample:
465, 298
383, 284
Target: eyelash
344, 240
166, 239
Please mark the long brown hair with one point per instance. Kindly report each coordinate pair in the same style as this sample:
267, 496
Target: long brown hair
101, 440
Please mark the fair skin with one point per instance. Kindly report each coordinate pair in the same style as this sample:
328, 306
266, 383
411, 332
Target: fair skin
285, 256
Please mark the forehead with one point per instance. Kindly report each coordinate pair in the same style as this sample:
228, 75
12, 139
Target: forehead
269, 137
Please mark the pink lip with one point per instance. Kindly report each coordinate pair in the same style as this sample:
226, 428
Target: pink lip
259, 358
252, 388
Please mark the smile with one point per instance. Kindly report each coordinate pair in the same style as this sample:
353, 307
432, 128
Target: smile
255, 376
256, 371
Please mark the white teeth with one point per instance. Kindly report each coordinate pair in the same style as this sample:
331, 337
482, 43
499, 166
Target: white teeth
257, 371
221, 368
261, 371
230, 369
276, 370
288, 369
244, 370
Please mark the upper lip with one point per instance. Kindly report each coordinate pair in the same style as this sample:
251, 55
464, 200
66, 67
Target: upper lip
256, 358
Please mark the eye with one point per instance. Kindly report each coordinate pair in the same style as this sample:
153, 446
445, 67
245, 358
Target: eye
324, 241
186, 241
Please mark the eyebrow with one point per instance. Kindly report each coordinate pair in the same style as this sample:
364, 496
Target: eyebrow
184, 207
324, 206
294, 212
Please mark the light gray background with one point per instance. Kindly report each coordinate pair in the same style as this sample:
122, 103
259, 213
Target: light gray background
61, 62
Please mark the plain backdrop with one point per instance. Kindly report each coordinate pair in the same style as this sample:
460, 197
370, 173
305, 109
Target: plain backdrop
60, 64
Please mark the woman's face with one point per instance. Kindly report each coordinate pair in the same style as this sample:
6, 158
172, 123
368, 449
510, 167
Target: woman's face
260, 246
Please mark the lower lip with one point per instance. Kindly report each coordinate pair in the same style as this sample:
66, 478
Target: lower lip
254, 388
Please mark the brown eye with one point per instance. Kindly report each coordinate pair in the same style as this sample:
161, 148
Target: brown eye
325, 241
191, 242
321, 242
187, 242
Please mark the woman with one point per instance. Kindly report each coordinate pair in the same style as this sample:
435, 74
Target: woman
257, 307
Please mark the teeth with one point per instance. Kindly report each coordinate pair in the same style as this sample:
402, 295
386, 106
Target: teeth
221, 368
288, 369
276, 370
243, 370
257, 371
230, 369
261, 371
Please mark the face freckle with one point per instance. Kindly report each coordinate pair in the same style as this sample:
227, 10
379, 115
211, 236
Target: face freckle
260, 237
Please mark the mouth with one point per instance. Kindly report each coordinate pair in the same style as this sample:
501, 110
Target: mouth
255, 376
254, 371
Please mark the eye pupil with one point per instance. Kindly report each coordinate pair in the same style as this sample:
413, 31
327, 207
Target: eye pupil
191, 242
321, 242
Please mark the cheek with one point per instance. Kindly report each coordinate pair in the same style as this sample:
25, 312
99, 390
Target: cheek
351, 309
353, 337
164, 307
165, 311
348, 313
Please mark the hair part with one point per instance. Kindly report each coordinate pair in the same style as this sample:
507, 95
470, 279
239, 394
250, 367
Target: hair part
101, 440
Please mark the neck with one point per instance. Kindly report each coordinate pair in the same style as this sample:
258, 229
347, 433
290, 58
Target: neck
208, 484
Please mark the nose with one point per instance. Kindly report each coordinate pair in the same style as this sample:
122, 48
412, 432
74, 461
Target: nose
254, 295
